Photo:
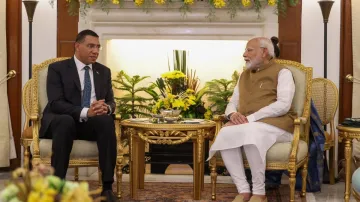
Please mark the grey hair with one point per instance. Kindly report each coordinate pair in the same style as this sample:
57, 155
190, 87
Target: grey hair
266, 43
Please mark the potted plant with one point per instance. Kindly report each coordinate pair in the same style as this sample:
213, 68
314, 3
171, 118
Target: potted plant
131, 104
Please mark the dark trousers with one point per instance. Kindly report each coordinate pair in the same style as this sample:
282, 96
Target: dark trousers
64, 130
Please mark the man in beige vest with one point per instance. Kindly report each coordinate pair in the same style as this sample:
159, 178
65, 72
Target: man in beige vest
260, 113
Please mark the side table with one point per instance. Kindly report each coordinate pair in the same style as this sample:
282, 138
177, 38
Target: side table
169, 134
347, 134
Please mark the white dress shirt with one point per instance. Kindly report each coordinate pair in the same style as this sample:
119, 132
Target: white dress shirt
81, 71
285, 94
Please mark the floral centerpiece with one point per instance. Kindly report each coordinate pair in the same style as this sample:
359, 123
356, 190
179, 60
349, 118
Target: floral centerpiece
176, 95
40, 185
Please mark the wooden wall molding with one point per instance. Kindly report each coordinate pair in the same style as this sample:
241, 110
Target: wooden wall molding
346, 67
67, 29
290, 34
14, 62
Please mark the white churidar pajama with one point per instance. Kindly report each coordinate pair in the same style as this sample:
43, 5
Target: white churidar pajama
255, 137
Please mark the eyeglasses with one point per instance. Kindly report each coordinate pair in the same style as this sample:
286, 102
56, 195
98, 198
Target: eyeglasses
94, 46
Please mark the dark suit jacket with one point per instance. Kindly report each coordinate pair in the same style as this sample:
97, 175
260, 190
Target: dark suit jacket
64, 90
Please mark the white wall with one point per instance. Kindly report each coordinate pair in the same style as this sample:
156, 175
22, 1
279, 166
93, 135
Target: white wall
44, 37
312, 41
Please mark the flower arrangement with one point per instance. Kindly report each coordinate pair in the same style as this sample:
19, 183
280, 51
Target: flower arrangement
232, 5
176, 95
40, 185
181, 101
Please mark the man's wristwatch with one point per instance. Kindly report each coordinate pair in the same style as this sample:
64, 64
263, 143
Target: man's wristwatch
229, 115
109, 109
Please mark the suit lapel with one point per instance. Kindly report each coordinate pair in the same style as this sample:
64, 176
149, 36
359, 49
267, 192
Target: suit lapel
74, 73
97, 80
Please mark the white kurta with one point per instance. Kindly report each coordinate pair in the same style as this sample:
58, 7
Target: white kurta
260, 134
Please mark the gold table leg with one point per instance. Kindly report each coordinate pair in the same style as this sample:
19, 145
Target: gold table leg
198, 159
202, 170
141, 165
133, 167
348, 151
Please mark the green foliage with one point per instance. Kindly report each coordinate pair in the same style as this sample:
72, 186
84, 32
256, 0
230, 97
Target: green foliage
131, 104
219, 92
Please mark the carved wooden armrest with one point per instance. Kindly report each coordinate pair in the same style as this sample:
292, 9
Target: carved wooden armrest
120, 148
219, 118
298, 122
35, 118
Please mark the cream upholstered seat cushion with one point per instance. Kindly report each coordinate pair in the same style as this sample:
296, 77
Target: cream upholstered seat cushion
81, 149
43, 100
279, 152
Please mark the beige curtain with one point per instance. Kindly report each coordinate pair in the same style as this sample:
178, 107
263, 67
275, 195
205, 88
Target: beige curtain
6, 141
355, 10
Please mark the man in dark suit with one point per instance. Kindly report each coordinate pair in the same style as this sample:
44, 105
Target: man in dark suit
80, 106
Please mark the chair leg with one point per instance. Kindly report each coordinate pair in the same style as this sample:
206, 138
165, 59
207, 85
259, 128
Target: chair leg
100, 179
76, 175
26, 156
304, 176
332, 165
119, 178
213, 175
292, 182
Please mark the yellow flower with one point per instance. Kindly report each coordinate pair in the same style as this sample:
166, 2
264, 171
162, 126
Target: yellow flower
271, 2
174, 74
219, 3
160, 2
90, 1
39, 185
116, 2
190, 91
208, 114
178, 103
139, 2
34, 196
246, 3
189, 2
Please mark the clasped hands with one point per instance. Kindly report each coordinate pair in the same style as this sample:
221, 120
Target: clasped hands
237, 118
98, 107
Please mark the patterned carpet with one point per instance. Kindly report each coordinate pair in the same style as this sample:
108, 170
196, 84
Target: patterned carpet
182, 192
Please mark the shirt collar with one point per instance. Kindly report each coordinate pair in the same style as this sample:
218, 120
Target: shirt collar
264, 66
79, 65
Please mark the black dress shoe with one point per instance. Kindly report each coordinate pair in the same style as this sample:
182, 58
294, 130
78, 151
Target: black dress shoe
109, 195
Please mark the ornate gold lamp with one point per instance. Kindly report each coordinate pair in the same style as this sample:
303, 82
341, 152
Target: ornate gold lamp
30, 6
325, 6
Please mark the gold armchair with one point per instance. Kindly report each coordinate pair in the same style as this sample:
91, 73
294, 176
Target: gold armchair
325, 97
83, 154
283, 156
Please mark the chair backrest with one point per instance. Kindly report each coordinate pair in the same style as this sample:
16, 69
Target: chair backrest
39, 94
302, 77
325, 97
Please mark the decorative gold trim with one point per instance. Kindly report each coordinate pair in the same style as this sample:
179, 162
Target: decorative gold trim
167, 126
